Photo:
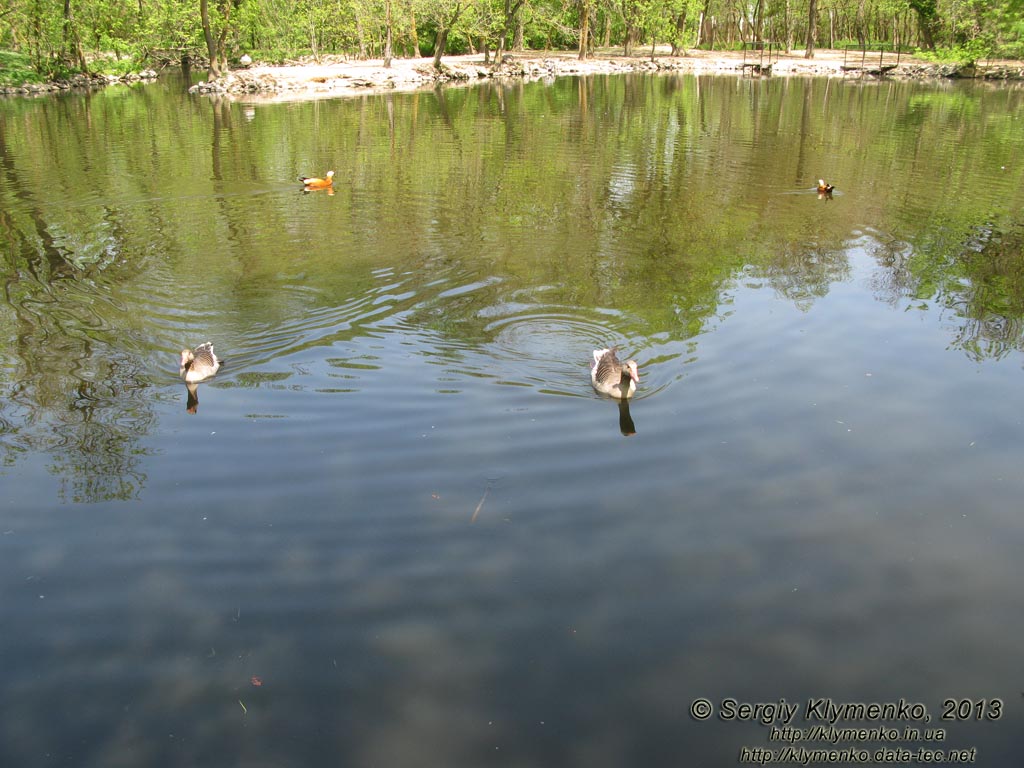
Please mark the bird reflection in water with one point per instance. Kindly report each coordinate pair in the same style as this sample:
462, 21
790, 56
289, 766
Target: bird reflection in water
192, 403
626, 425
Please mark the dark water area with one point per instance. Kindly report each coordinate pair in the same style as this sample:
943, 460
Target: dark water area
401, 529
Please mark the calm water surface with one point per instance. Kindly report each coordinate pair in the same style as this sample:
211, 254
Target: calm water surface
400, 528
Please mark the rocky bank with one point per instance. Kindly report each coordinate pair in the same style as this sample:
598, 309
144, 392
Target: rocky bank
77, 81
334, 76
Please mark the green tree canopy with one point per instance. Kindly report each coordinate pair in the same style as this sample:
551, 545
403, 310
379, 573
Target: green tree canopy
59, 38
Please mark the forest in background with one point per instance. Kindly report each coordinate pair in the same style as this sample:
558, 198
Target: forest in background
51, 39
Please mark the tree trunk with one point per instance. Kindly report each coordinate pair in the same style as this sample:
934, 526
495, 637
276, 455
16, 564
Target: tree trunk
222, 38
704, 15
66, 42
788, 28
584, 29
812, 28
387, 33
211, 46
72, 44
511, 14
439, 43
361, 36
499, 52
442, 35
677, 40
926, 21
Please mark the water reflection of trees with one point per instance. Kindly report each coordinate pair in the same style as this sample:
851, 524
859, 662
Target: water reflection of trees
985, 287
79, 401
978, 277
71, 395
803, 273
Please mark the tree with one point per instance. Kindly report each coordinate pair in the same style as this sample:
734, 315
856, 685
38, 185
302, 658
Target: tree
511, 11
632, 14
211, 45
387, 33
927, 20
443, 15
812, 28
584, 28
61, 37
71, 47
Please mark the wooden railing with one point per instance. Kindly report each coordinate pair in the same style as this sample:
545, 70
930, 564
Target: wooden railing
866, 65
758, 64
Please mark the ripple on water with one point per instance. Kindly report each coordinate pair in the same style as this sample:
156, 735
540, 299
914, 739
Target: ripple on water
448, 326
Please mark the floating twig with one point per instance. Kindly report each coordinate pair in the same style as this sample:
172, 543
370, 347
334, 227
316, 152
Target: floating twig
481, 504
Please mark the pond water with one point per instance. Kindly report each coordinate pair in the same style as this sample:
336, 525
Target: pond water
400, 528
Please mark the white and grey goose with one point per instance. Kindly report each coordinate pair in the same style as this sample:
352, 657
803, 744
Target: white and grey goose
199, 364
610, 377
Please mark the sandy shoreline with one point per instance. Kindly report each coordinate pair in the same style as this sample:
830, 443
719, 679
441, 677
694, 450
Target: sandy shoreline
335, 76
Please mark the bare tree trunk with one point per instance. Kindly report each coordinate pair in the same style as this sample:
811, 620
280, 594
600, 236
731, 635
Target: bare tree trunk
439, 44
703, 20
211, 46
584, 28
788, 24
387, 33
812, 28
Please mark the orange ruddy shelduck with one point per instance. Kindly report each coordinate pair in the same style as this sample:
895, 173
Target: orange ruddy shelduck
312, 182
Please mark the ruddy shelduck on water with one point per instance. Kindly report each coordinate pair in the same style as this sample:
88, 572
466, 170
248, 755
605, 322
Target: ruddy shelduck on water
312, 182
